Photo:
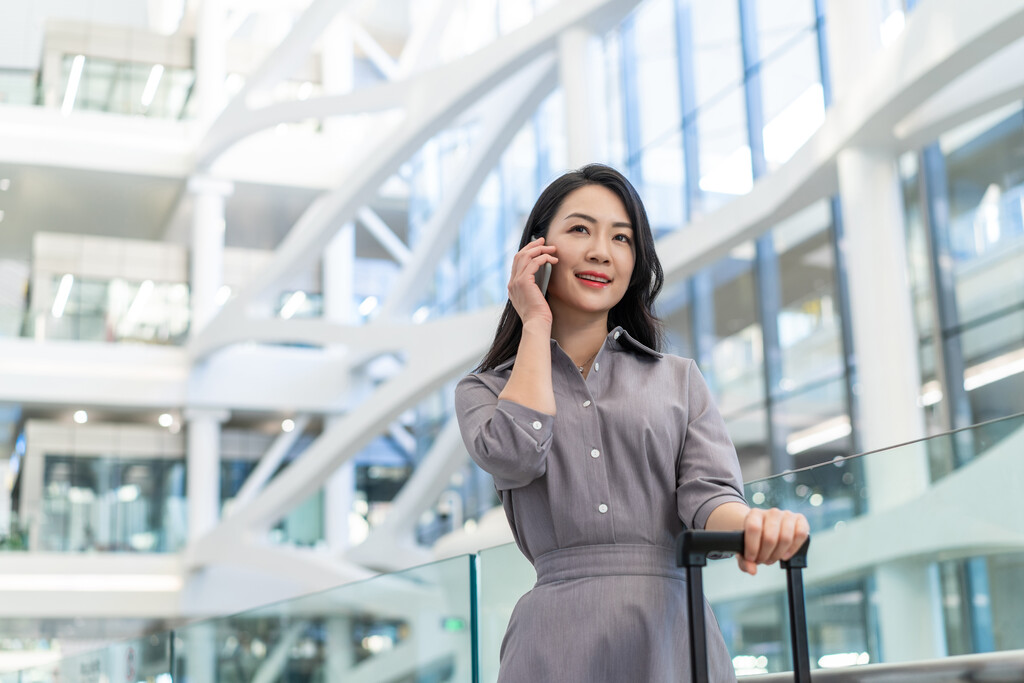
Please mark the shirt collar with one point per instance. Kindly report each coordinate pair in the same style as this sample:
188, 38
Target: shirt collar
617, 336
626, 340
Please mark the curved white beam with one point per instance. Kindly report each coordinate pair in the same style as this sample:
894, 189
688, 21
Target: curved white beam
433, 100
432, 359
289, 54
390, 545
996, 82
268, 464
943, 39
383, 234
505, 112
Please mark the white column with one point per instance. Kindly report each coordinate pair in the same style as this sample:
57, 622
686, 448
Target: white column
338, 282
210, 61
340, 652
203, 469
338, 279
207, 257
338, 72
907, 601
885, 340
584, 123
5, 499
200, 652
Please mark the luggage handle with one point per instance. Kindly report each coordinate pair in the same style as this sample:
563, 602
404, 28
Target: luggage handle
693, 550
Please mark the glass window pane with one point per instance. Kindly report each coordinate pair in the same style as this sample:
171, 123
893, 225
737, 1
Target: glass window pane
809, 326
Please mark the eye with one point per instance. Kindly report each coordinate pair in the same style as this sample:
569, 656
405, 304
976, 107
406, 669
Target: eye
622, 237
579, 228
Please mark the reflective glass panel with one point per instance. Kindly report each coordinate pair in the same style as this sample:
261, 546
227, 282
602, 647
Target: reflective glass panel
903, 565
410, 625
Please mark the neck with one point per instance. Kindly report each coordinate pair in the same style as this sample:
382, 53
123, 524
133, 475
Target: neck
580, 336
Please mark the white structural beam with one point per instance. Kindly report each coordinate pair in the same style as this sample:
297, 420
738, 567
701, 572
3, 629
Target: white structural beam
996, 82
376, 226
430, 361
432, 99
308, 569
273, 666
504, 113
390, 545
942, 40
269, 463
380, 58
289, 54
422, 45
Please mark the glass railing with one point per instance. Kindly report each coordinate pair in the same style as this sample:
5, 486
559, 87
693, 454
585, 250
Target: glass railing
911, 561
410, 625
143, 659
913, 558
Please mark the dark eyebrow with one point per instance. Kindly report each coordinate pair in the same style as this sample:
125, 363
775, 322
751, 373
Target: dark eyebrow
594, 220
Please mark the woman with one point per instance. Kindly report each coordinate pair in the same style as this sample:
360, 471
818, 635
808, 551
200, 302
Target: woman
602, 449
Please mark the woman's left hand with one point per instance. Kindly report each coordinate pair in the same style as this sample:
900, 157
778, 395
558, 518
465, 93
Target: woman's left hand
770, 536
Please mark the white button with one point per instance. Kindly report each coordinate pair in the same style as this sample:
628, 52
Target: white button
618, 333
597, 366
602, 508
537, 424
586, 404
595, 453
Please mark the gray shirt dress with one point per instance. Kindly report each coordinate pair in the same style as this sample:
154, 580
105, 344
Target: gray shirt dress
596, 496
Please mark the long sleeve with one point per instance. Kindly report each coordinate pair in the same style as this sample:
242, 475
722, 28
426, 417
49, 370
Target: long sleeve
708, 469
507, 440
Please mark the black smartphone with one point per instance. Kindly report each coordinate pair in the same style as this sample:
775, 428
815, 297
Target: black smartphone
543, 275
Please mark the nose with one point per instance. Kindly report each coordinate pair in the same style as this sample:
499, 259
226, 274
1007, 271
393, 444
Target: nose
597, 251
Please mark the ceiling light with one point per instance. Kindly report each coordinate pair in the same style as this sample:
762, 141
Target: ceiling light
994, 370
81, 417
818, 435
5, 184
63, 292
288, 425
294, 303
223, 294
166, 420
74, 80
138, 303
126, 583
149, 92
931, 393
367, 305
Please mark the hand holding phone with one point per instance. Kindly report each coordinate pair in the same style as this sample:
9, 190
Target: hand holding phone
543, 274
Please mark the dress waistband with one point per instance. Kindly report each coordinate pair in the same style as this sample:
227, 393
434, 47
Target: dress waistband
607, 560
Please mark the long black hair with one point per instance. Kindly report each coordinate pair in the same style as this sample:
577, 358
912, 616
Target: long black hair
635, 311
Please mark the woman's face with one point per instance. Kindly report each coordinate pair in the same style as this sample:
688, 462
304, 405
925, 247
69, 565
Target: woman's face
594, 239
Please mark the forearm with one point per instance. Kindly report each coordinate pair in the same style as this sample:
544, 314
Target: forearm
530, 382
727, 517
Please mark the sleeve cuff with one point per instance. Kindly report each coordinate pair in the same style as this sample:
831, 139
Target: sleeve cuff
700, 518
533, 422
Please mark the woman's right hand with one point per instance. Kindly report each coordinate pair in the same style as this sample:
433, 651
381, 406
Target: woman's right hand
523, 291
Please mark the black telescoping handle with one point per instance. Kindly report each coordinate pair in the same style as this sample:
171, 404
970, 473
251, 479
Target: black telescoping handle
693, 550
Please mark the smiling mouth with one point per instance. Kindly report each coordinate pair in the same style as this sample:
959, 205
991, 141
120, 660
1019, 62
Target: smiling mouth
594, 279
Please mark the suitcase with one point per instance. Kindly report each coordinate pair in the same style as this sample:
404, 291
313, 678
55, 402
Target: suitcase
693, 550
